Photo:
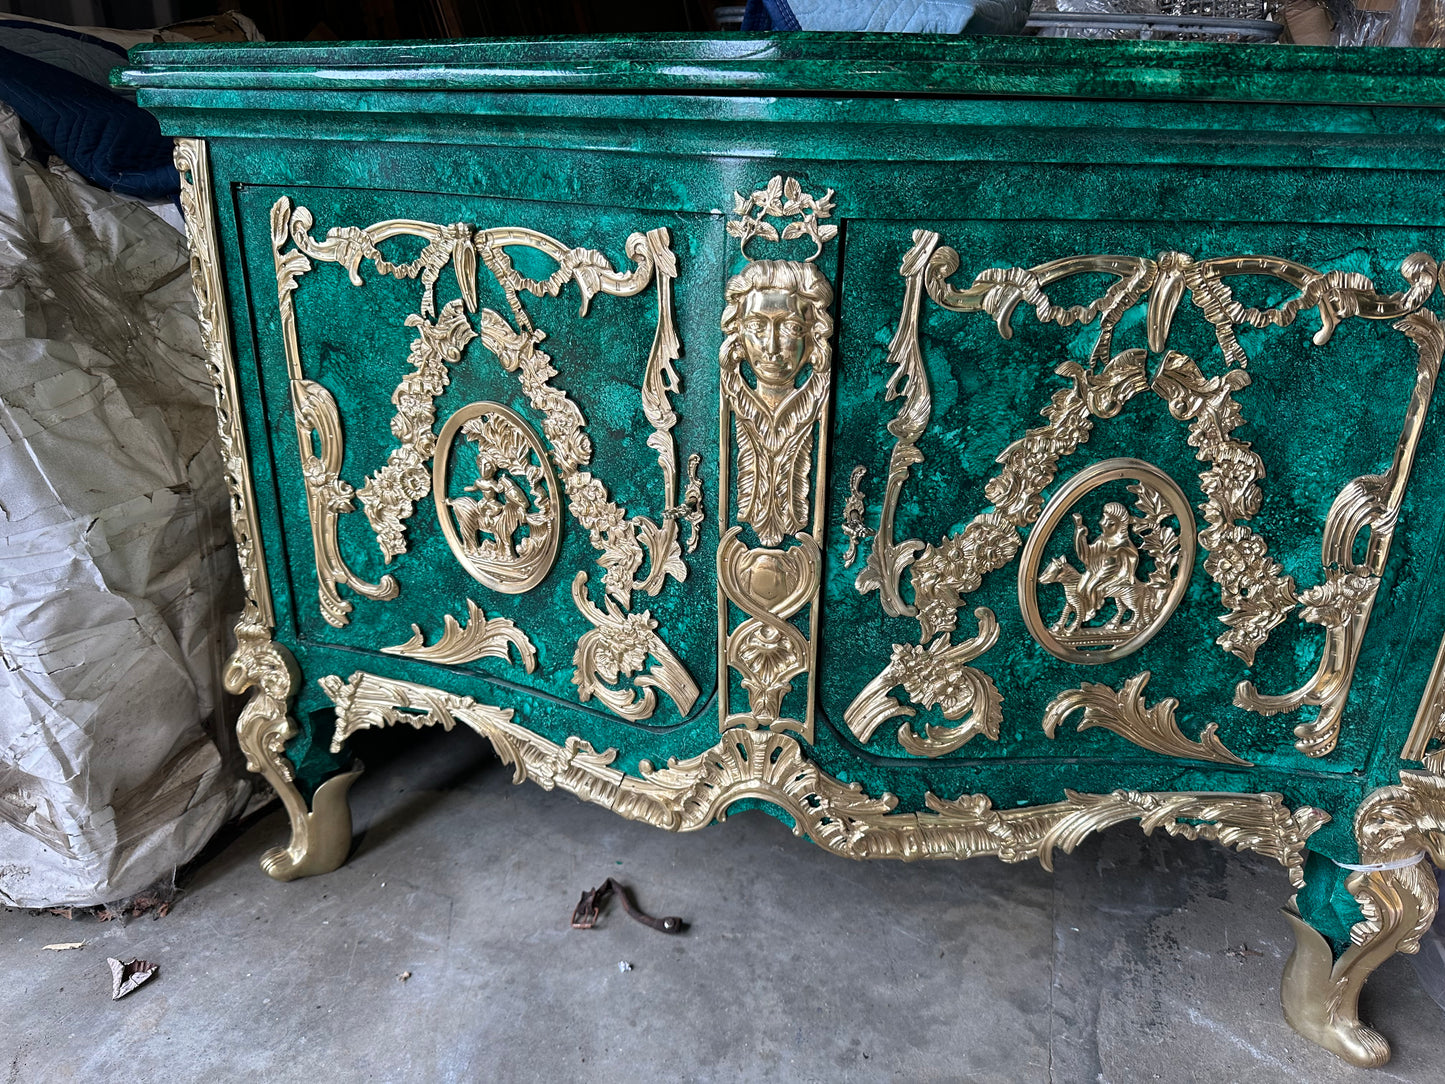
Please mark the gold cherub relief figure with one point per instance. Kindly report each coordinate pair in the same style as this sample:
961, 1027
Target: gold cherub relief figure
1111, 566
1111, 607
506, 533
1110, 562
776, 319
503, 509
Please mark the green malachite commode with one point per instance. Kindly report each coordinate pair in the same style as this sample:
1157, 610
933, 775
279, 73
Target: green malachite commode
952, 447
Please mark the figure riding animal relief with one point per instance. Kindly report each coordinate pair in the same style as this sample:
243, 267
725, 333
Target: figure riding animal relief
1110, 571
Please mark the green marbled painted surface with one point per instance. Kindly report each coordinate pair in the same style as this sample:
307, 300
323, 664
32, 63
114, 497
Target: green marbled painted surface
1016, 153
803, 62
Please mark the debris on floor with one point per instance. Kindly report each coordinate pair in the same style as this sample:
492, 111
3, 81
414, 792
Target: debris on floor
403, 976
125, 977
623, 965
156, 902
589, 909
64, 945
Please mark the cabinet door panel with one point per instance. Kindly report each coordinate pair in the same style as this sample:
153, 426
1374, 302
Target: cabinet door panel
482, 416
1230, 411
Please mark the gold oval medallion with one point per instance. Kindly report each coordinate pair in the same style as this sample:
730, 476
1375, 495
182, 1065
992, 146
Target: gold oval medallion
1129, 571
506, 529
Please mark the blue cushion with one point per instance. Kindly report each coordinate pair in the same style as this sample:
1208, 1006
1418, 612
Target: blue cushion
65, 47
890, 16
106, 139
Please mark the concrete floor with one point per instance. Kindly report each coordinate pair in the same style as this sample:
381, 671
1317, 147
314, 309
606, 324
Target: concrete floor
1124, 966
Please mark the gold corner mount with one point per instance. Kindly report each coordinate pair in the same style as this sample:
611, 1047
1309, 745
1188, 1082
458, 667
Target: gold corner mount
1400, 830
321, 834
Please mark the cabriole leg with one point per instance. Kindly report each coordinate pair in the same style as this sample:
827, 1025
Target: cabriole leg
1321, 995
1396, 827
320, 835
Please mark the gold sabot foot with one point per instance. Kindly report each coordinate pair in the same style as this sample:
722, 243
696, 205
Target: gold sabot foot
320, 836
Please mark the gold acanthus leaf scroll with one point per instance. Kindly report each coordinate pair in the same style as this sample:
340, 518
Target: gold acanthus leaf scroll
771, 766
618, 646
1123, 711
889, 557
935, 674
481, 638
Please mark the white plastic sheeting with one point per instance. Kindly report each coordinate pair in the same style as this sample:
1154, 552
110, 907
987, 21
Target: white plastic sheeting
117, 574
